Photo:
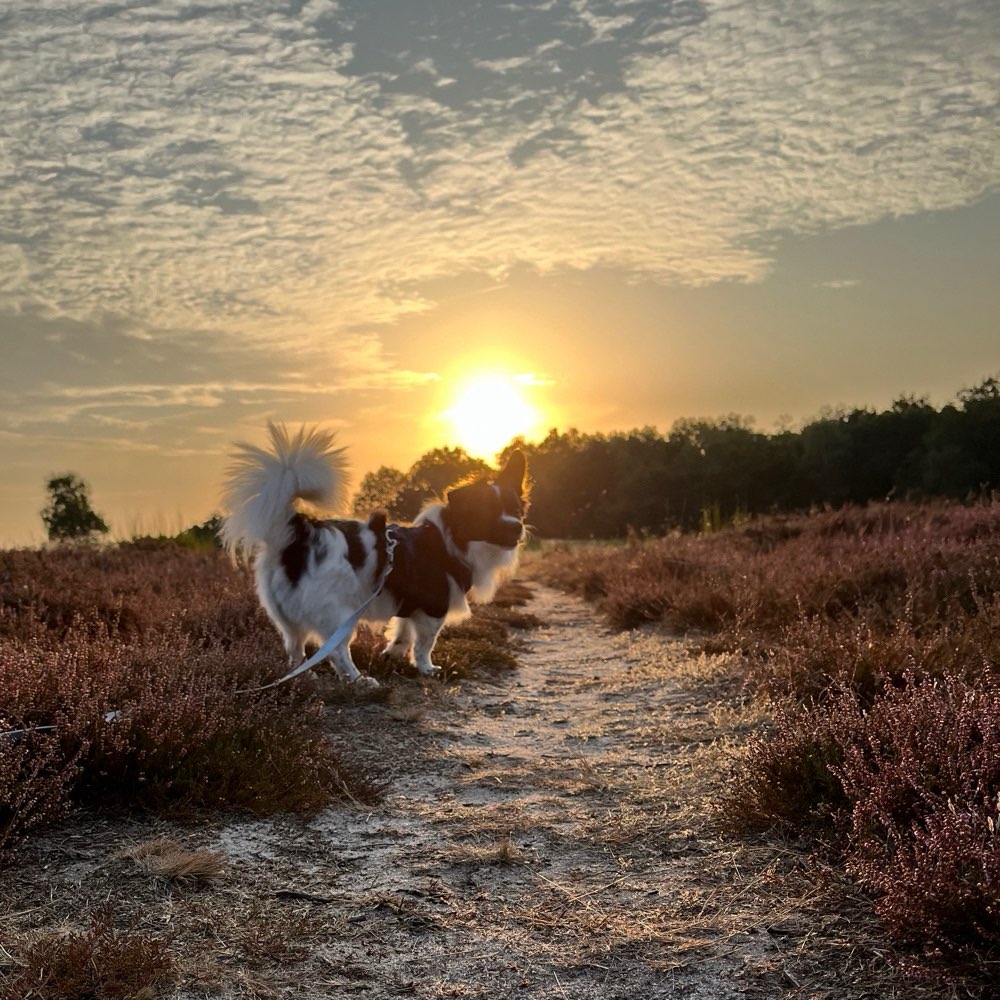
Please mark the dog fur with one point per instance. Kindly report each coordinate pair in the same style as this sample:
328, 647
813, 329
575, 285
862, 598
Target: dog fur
313, 573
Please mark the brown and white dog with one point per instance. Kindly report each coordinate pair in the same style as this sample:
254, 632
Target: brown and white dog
313, 573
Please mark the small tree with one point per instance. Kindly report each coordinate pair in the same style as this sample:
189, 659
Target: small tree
202, 537
379, 491
69, 516
401, 495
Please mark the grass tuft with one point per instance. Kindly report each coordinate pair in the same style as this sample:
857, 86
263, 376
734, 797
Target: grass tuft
503, 851
100, 962
166, 859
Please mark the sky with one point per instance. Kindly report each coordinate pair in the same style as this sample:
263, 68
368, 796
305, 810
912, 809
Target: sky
601, 214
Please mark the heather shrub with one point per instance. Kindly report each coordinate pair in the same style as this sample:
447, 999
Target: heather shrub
185, 740
144, 704
100, 963
942, 889
787, 780
672, 580
128, 588
908, 789
922, 773
810, 657
36, 780
876, 631
157, 726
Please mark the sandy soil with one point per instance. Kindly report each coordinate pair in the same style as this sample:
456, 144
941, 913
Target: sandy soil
545, 833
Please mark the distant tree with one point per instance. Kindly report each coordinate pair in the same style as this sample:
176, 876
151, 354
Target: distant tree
431, 475
443, 467
204, 536
69, 516
380, 490
401, 495
988, 391
963, 448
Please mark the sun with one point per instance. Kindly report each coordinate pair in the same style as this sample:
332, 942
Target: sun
487, 412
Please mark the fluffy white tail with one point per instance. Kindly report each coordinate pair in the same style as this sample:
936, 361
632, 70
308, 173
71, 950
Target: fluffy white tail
262, 486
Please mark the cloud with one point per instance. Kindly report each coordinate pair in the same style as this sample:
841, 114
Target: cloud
839, 283
208, 210
286, 177
71, 377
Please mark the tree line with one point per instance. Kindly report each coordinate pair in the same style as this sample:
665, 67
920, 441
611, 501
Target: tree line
705, 473
699, 476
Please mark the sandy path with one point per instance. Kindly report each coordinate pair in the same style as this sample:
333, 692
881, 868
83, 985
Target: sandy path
539, 838
545, 832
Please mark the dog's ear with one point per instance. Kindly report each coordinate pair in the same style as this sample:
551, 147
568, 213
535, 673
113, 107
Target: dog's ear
512, 475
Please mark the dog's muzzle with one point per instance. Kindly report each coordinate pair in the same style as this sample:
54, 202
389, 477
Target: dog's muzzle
509, 533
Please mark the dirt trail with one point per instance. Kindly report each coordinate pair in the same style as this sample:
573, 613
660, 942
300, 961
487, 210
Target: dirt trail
539, 838
545, 833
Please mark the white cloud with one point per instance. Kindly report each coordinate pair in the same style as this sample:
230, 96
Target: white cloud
244, 170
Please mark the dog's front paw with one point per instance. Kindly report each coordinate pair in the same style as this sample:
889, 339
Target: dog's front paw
428, 669
365, 683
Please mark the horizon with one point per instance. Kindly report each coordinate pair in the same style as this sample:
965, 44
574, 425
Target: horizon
159, 524
392, 218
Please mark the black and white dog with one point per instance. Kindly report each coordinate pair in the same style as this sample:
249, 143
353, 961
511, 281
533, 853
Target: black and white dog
313, 574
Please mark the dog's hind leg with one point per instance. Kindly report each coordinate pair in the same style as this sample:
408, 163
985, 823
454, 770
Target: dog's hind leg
293, 638
400, 636
425, 633
341, 659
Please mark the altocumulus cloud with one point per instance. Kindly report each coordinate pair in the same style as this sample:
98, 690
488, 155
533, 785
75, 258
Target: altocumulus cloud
262, 165
207, 210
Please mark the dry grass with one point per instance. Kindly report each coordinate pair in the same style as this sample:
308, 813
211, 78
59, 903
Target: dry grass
503, 851
167, 859
100, 962
268, 935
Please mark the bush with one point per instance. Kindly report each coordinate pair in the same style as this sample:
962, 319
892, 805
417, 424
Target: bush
36, 781
909, 790
942, 889
877, 631
787, 779
141, 688
922, 772
101, 962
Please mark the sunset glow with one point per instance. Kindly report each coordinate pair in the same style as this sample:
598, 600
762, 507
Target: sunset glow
487, 412
374, 216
